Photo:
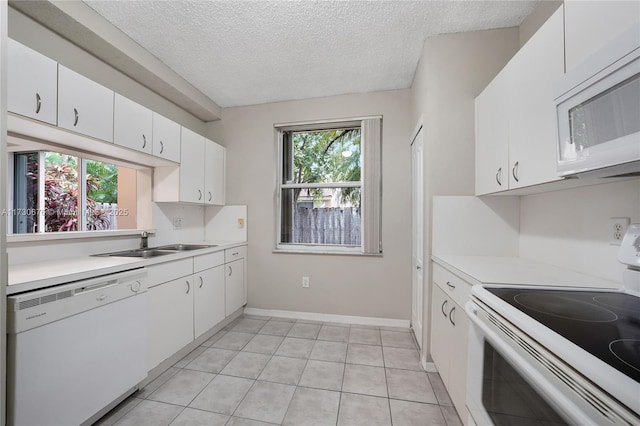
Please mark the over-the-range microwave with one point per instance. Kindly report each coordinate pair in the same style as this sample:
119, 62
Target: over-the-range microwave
598, 112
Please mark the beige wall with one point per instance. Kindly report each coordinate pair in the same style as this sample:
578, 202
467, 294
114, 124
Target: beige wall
539, 16
453, 70
345, 285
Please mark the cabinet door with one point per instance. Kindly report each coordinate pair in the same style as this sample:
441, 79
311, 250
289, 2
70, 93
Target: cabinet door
492, 134
533, 136
590, 25
459, 337
170, 318
32, 86
234, 286
440, 332
84, 106
166, 138
191, 167
214, 173
209, 300
132, 125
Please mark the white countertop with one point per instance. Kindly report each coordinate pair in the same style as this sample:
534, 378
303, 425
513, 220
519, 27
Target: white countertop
37, 275
517, 271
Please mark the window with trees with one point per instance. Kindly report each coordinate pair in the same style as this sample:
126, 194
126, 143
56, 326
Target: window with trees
58, 192
329, 186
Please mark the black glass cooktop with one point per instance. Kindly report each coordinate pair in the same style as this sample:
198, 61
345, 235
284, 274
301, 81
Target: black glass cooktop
605, 324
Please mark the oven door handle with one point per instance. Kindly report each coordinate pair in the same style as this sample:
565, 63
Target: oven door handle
553, 395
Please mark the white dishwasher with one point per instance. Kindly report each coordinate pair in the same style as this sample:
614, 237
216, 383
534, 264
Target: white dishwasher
75, 348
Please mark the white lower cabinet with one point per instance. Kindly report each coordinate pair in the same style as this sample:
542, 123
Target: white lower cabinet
234, 286
209, 300
170, 318
449, 335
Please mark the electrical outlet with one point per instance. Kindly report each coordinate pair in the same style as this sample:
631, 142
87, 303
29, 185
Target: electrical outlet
305, 282
617, 228
177, 223
240, 222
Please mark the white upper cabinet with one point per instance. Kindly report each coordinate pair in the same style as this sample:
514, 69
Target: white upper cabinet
166, 138
32, 83
84, 106
516, 132
191, 167
590, 25
214, 173
533, 135
132, 125
492, 137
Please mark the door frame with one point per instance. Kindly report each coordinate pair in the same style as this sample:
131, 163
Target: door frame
420, 339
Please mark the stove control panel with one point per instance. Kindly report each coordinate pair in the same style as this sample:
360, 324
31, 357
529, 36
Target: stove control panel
630, 248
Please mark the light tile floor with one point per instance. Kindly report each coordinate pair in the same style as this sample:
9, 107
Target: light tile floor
265, 371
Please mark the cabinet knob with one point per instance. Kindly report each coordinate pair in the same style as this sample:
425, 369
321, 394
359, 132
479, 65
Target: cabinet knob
161, 147
514, 171
76, 117
144, 141
499, 176
38, 103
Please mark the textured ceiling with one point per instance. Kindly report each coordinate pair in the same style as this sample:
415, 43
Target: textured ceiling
252, 52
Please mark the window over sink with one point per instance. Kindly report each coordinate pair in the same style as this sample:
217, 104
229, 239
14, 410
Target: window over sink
51, 191
329, 186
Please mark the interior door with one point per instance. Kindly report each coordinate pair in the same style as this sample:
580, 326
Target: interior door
417, 258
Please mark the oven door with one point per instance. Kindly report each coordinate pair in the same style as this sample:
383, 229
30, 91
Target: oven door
513, 380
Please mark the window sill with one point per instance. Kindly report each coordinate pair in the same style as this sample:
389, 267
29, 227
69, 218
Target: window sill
23, 238
326, 252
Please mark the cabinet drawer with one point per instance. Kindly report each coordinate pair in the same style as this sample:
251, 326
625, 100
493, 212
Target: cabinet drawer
452, 285
168, 271
235, 253
206, 261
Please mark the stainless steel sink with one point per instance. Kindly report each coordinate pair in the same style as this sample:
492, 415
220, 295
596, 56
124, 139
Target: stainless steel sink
150, 252
185, 247
155, 251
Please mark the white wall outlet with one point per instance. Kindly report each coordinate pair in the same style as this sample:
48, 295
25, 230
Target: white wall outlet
305, 282
177, 223
617, 228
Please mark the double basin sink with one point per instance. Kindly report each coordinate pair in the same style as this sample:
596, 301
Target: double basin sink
156, 251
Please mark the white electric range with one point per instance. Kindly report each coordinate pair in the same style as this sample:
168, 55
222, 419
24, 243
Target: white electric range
557, 355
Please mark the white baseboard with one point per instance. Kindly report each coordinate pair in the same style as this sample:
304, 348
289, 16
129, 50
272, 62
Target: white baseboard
345, 319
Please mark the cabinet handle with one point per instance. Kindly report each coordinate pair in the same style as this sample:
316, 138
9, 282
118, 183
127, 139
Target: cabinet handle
161, 147
144, 141
77, 116
443, 307
499, 176
38, 103
210, 196
199, 195
452, 316
514, 171
230, 270
451, 286
201, 282
188, 287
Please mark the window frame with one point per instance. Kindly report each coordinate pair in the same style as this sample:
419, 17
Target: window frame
22, 145
309, 126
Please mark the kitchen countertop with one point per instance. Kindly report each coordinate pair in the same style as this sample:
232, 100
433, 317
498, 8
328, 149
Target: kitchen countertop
35, 276
517, 271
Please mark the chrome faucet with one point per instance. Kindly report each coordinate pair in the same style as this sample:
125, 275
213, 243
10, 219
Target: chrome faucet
144, 240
